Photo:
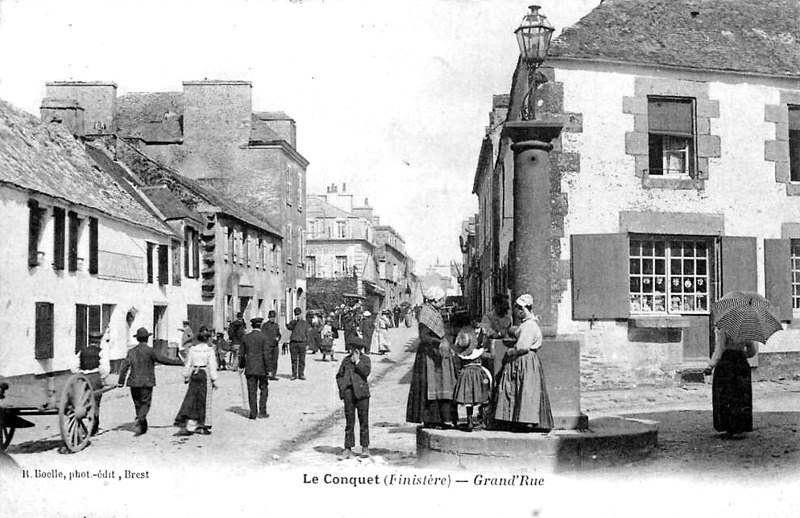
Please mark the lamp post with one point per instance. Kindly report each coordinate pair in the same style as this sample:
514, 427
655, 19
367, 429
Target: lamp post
533, 37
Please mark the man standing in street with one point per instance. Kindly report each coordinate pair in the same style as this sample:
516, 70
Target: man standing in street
236, 332
272, 331
141, 361
298, 340
253, 356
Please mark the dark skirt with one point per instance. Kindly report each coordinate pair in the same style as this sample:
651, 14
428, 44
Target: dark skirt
732, 394
420, 409
474, 386
194, 404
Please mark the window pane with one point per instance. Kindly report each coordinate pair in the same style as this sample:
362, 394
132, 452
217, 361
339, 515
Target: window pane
675, 250
659, 304
688, 267
636, 248
670, 115
635, 266
661, 286
647, 249
647, 266
659, 249
701, 266
636, 285
660, 264
647, 285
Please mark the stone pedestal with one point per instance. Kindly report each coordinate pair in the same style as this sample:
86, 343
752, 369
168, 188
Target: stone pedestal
534, 263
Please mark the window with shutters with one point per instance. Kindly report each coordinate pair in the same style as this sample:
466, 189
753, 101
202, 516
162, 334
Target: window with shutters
671, 136
669, 276
74, 241
794, 143
35, 231
795, 265
341, 229
89, 319
43, 339
191, 254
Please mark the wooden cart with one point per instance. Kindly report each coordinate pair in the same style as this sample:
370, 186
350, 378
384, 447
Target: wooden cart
64, 394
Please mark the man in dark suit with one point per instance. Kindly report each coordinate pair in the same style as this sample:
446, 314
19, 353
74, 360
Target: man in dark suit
354, 392
141, 361
253, 359
272, 331
298, 341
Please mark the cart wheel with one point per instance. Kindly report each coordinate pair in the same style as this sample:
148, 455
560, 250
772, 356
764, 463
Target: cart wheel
77, 413
6, 433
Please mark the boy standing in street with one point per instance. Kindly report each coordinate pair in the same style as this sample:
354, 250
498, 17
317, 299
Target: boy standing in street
354, 392
298, 343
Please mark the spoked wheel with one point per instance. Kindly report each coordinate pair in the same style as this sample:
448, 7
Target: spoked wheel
77, 413
6, 432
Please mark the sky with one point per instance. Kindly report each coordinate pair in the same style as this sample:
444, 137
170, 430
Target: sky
390, 98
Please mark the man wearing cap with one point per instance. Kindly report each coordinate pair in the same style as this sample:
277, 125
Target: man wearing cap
272, 332
354, 392
298, 340
141, 361
94, 364
253, 356
236, 332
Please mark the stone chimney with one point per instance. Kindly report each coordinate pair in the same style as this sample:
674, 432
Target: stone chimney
97, 98
63, 111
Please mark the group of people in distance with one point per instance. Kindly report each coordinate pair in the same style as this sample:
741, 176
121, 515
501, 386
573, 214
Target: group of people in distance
447, 375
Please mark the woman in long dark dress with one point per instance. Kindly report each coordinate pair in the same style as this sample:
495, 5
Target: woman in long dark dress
201, 375
731, 389
430, 398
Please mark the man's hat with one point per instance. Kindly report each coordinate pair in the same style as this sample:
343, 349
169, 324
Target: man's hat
142, 334
271, 313
257, 321
356, 342
186, 322
297, 311
95, 336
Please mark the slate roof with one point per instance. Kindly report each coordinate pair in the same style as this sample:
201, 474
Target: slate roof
169, 204
152, 173
750, 36
316, 207
46, 158
155, 117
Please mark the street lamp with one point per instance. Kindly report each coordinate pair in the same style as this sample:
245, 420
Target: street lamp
533, 37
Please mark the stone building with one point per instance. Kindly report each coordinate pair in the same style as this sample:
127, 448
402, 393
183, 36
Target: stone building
81, 252
470, 279
674, 178
209, 132
494, 276
393, 266
340, 259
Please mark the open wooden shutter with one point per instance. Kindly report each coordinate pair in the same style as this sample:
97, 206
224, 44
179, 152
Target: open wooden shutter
43, 348
58, 238
34, 227
187, 236
150, 247
163, 264
93, 244
195, 254
74, 227
778, 275
81, 326
600, 285
176, 263
738, 264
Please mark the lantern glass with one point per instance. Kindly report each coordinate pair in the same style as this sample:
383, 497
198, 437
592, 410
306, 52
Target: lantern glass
533, 36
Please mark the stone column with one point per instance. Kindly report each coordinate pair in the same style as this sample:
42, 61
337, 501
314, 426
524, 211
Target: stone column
534, 264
